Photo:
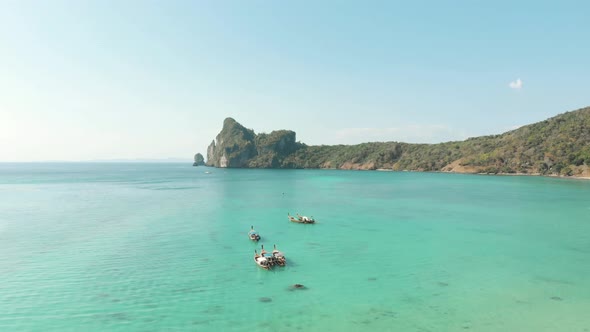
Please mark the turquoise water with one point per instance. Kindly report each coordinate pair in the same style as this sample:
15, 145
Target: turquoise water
164, 247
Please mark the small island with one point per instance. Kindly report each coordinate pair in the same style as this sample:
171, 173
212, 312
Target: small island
559, 146
199, 160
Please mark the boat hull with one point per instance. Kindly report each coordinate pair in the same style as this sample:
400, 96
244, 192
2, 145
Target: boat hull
310, 221
259, 263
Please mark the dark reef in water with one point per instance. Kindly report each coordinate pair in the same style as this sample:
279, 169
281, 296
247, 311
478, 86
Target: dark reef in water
297, 287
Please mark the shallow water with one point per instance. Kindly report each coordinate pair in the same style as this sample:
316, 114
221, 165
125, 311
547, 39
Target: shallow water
153, 247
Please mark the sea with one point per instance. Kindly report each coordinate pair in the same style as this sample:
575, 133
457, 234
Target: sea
164, 247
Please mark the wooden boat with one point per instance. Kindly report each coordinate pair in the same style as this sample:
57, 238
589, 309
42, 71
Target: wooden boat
305, 219
279, 257
272, 261
301, 219
261, 261
253, 235
291, 218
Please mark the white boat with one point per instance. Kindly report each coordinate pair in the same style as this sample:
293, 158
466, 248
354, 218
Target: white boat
253, 235
261, 261
301, 219
279, 257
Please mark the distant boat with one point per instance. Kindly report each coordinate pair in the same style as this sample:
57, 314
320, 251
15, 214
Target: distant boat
301, 219
253, 235
261, 261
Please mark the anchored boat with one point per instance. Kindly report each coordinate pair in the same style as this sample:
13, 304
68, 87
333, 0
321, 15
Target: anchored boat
253, 235
270, 257
301, 219
279, 257
261, 261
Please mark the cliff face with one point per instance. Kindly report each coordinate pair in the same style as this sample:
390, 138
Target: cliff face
238, 147
273, 148
556, 146
233, 147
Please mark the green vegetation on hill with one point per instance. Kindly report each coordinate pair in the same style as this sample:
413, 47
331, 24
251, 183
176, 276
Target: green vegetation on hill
237, 146
556, 146
273, 148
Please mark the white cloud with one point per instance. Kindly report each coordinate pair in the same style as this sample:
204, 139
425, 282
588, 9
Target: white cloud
516, 84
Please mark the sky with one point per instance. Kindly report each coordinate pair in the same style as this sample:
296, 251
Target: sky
103, 80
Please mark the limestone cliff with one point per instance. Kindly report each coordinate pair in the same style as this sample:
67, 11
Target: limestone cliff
233, 147
273, 148
237, 147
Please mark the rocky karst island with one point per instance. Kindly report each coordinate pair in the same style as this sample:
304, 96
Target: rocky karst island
199, 160
558, 146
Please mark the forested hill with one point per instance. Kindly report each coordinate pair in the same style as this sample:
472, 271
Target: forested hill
556, 146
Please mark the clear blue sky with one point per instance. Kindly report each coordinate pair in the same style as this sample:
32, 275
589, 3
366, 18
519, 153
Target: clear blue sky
84, 80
